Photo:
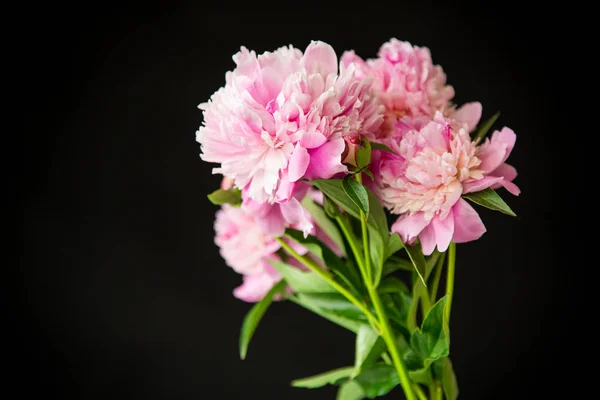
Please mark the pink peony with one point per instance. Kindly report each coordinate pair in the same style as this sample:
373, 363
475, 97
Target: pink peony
409, 84
283, 116
404, 78
436, 162
247, 250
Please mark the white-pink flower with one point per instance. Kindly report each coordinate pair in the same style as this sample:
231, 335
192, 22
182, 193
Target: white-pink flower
436, 162
282, 116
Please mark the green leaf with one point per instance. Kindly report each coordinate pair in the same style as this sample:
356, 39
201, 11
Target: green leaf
335, 303
221, 196
485, 127
357, 193
369, 346
332, 261
392, 284
331, 209
397, 299
320, 218
333, 189
350, 391
383, 147
363, 154
253, 317
394, 244
325, 378
377, 218
445, 371
376, 221
378, 380
488, 198
377, 253
345, 322
418, 260
432, 342
396, 263
301, 281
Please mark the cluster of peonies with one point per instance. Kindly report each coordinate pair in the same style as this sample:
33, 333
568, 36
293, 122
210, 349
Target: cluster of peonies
288, 116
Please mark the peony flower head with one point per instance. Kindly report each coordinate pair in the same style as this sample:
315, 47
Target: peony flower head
247, 250
245, 237
283, 116
436, 162
404, 78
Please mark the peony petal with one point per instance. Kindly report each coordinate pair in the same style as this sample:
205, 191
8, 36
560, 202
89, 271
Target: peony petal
255, 287
508, 138
493, 152
271, 222
298, 163
326, 160
470, 114
295, 215
509, 173
312, 139
410, 226
444, 229
510, 187
467, 223
427, 238
319, 58
480, 184
286, 188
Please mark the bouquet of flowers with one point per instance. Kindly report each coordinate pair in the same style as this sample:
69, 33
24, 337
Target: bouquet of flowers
313, 152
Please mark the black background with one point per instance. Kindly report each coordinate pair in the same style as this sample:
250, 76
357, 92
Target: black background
124, 293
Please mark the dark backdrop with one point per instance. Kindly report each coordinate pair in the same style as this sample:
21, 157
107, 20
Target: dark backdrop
125, 295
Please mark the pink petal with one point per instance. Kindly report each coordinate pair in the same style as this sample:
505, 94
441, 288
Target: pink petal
508, 137
410, 226
444, 229
509, 173
427, 238
286, 188
483, 183
296, 216
268, 217
319, 58
255, 287
510, 187
312, 139
467, 223
298, 163
326, 161
469, 113
493, 152
436, 135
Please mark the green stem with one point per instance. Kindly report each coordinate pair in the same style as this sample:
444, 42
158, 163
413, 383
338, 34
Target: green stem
425, 302
419, 392
436, 278
351, 239
450, 277
365, 239
386, 330
310, 264
388, 337
437, 394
